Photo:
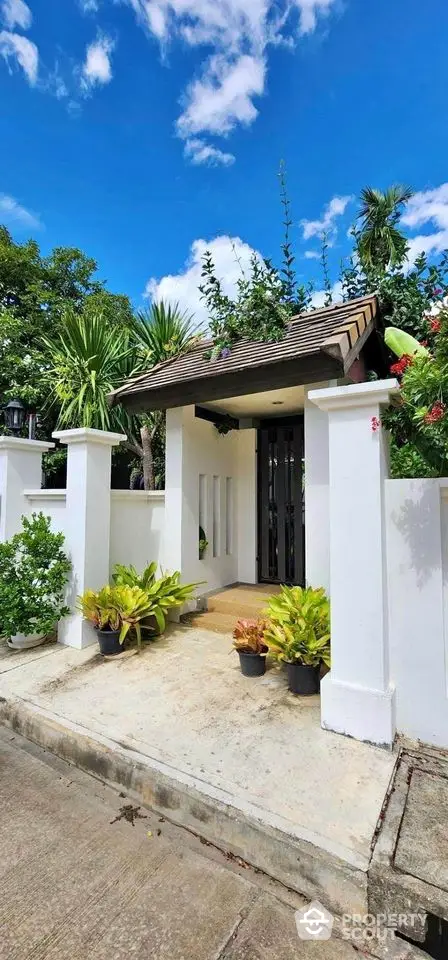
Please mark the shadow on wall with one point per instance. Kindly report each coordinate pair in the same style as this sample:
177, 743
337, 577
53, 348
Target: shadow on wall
419, 522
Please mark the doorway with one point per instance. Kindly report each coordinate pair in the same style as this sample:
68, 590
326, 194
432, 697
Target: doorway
280, 501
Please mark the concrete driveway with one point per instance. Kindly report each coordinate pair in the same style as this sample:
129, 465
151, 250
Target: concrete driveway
79, 879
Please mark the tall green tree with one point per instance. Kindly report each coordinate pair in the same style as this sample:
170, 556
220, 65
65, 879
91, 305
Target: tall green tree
89, 358
36, 292
381, 243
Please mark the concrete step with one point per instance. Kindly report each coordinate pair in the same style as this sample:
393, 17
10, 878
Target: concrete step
211, 620
235, 608
241, 602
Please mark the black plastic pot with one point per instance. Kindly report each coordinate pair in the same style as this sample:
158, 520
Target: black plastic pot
302, 679
252, 664
109, 642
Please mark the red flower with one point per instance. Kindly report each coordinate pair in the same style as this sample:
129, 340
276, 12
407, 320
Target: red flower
402, 364
436, 412
435, 324
375, 424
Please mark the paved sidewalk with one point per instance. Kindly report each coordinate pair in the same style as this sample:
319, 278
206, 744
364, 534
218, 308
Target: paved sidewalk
243, 763
76, 885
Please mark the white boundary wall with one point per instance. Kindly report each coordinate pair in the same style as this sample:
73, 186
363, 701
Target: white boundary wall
101, 527
417, 570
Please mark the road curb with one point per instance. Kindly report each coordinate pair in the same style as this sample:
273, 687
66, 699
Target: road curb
300, 864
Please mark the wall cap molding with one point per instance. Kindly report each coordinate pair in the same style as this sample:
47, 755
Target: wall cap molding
88, 435
52, 494
355, 395
22, 443
137, 495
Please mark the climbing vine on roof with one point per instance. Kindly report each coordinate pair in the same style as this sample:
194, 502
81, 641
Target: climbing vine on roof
266, 297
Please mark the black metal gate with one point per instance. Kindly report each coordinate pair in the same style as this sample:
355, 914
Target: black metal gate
280, 501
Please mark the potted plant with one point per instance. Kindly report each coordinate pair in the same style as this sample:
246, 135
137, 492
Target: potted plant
203, 543
33, 576
249, 642
298, 634
113, 612
165, 594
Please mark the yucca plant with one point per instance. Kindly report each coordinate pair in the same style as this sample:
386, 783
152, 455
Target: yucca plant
299, 626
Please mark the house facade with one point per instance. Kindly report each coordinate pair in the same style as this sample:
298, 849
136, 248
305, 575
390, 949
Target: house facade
247, 451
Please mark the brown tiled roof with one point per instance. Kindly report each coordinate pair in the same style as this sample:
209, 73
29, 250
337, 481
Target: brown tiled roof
318, 343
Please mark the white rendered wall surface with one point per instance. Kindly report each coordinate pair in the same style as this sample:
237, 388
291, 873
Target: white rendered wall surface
417, 571
52, 503
317, 497
137, 527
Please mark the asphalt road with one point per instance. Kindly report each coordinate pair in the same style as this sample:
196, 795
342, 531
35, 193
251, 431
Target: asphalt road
85, 875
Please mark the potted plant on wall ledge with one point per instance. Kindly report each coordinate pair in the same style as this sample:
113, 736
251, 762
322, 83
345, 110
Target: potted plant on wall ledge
249, 642
298, 633
33, 577
203, 543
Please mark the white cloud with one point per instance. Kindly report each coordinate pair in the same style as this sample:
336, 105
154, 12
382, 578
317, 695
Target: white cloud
230, 255
309, 12
223, 97
432, 243
13, 45
428, 207
201, 153
315, 228
311, 255
97, 67
236, 34
89, 6
13, 214
318, 298
16, 13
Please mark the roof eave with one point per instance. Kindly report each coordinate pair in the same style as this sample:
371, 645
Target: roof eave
273, 376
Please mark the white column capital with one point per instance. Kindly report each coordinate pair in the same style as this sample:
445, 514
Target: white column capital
372, 393
89, 435
29, 446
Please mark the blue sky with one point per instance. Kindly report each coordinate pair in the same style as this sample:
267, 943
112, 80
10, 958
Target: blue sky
143, 130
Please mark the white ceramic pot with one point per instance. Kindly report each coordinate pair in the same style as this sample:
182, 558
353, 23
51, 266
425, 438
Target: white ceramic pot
20, 641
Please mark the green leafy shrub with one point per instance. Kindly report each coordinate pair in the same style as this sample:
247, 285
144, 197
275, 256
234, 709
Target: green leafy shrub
118, 607
164, 594
33, 575
299, 626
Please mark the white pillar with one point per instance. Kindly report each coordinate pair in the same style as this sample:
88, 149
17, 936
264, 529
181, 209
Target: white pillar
317, 493
87, 521
181, 526
20, 470
246, 486
357, 697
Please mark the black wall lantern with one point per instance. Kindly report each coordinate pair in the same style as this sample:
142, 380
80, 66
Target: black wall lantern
14, 416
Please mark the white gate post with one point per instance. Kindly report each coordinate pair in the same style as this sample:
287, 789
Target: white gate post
87, 526
357, 697
20, 470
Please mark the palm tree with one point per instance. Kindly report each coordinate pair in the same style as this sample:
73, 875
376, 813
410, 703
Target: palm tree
89, 358
159, 333
380, 243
